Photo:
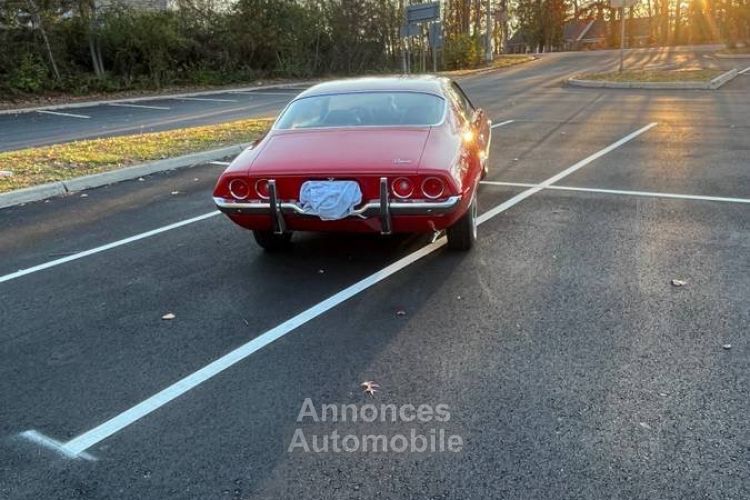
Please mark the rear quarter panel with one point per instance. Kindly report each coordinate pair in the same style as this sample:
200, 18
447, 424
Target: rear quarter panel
445, 153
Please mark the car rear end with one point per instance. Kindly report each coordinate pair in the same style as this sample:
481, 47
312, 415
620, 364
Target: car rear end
390, 203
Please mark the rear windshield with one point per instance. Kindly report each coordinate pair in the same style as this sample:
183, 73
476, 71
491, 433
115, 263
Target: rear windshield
363, 109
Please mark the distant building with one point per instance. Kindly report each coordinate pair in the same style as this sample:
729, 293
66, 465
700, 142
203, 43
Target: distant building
595, 36
519, 43
638, 32
573, 31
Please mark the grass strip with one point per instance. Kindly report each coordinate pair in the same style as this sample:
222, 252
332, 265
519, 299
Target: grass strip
29, 167
687, 75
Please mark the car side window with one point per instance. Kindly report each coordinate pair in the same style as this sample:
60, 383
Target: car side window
464, 104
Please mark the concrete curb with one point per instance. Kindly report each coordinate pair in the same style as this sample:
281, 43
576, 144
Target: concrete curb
704, 85
482, 71
60, 188
723, 78
86, 104
732, 56
33, 193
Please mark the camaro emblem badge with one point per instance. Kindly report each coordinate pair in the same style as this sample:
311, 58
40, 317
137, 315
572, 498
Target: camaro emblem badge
399, 161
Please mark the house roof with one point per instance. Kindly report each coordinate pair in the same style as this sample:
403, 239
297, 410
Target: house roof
573, 29
518, 38
597, 31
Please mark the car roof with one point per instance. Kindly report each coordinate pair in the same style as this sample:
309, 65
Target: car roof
405, 83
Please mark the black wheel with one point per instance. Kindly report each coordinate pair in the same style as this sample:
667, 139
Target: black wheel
272, 242
463, 233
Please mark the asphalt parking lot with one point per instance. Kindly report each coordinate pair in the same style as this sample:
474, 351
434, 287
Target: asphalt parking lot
52, 126
571, 366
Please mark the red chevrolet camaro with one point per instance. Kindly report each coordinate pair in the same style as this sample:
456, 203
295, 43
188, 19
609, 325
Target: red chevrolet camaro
397, 154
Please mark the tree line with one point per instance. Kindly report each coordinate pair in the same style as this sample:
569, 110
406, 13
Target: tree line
84, 46
668, 22
101, 45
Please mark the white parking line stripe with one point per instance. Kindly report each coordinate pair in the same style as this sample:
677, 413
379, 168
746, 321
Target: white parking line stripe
108, 246
744, 71
509, 184
142, 106
221, 163
535, 189
53, 444
59, 113
506, 122
204, 99
650, 194
88, 439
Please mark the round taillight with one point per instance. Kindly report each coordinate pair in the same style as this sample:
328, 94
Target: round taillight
239, 189
432, 187
402, 187
261, 187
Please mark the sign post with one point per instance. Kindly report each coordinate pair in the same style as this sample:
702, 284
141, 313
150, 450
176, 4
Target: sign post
415, 17
622, 4
622, 38
488, 40
436, 41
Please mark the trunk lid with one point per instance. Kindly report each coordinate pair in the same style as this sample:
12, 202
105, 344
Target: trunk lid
341, 152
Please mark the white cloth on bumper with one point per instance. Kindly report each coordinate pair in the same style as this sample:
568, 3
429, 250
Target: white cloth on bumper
330, 200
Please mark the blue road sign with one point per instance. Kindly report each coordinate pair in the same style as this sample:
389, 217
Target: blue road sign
422, 12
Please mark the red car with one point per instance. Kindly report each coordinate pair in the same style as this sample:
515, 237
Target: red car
387, 155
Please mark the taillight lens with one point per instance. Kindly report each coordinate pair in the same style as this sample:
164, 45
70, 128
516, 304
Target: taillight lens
261, 187
432, 187
239, 189
402, 187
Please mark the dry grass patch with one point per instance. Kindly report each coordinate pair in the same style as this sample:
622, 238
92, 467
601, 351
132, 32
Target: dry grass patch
499, 62
688, 75
34, 166
736, 51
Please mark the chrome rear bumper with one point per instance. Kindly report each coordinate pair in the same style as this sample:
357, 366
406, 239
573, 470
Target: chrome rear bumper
384, 208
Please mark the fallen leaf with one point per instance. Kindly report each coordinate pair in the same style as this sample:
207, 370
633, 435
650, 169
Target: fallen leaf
369, 387
645, 426
726, 347
168, 316
676, 282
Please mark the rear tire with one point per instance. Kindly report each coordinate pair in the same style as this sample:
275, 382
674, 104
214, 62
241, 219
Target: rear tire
271, 242
463, 233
